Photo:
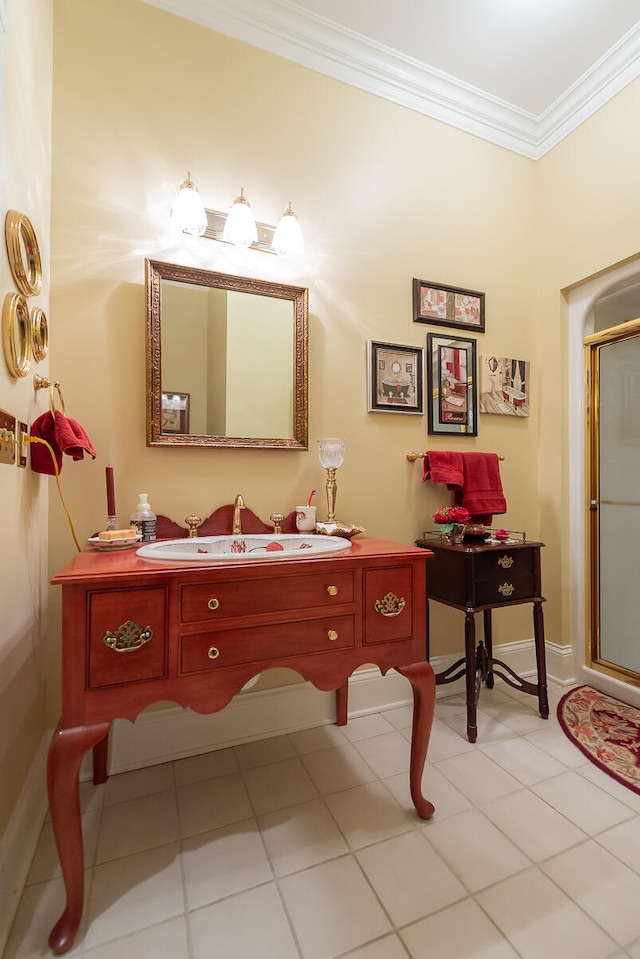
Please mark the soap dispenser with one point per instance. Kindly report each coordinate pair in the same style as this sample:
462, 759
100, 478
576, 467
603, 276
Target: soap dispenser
144, 519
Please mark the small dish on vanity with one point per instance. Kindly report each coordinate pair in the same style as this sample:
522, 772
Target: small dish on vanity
108, 545
339, 529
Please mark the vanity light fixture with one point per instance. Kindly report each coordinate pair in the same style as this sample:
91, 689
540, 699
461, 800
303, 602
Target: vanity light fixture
188, 213
331, 456
240, 227
288, 236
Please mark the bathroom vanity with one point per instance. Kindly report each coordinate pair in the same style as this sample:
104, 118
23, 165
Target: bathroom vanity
137, 632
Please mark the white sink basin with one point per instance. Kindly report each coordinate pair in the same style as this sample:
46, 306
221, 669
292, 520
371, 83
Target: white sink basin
244, 547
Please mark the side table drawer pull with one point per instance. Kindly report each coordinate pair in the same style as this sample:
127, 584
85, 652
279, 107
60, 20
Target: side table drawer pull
213, 603
506, 561
332, 634
506, 589
128, 637
213, 652
332, 590
391, 605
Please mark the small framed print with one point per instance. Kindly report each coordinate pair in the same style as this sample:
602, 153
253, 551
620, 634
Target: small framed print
451, 385
448, 306
175, 412
395, 378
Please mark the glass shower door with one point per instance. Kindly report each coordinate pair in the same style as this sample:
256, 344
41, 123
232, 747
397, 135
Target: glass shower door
614, 497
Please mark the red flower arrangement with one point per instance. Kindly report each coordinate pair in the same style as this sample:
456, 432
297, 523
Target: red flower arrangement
450, 517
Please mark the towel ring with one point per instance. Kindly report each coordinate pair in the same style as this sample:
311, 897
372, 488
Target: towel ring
42, 383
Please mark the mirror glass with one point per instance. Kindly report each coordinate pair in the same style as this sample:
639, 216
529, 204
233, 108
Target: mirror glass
226, 360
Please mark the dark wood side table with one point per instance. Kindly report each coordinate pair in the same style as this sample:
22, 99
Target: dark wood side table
478, 577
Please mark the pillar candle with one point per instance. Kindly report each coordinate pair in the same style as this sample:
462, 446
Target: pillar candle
111, 493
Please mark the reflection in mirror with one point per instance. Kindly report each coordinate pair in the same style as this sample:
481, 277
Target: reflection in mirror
226, 360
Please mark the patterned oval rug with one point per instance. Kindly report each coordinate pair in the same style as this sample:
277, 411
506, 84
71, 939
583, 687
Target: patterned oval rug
606, 730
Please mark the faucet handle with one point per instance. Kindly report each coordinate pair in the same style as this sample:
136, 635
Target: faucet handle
276, 519
193, 521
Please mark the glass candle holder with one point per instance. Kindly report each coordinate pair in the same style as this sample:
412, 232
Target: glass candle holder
331, 455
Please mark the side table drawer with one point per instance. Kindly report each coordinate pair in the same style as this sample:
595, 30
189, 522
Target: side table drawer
500, 563
504, 589
126, 636
265, 644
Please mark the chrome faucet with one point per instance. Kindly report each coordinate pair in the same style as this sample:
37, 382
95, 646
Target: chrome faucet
237, 506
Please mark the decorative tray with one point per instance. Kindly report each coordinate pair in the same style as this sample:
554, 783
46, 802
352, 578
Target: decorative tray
339, 529
109, 545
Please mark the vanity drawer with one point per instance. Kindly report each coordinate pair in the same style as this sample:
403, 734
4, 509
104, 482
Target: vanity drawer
126, 636
212, 601
265, 644
387, 604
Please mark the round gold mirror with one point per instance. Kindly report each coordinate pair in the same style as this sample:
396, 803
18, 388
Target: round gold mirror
24, 253
39, 334
16, 334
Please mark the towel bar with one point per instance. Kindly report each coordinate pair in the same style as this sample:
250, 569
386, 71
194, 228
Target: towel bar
412, 457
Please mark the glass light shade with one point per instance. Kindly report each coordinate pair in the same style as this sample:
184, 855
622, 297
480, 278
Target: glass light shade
188, 213
240, 226
331, 452
288, 236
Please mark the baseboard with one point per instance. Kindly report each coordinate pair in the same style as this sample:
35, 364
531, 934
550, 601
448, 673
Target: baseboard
20, 839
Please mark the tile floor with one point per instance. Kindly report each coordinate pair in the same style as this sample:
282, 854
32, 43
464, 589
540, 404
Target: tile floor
306, 846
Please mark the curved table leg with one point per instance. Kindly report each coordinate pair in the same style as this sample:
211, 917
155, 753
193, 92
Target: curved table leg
423, 682
66, 752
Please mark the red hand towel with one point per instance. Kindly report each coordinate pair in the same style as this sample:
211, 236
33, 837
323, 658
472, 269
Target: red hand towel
44, 428
442, 466
72, 437
482, 491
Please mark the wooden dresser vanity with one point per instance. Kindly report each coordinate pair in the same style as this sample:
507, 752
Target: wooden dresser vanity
137, 632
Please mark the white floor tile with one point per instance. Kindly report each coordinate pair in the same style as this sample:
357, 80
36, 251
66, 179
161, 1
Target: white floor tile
387, 755
40, 908
333, 909
368, 814
409, 877
252, 924
168, 940
602, 885
301, 836
130, 827
588, 806
46, 864
319, 737
221, 863
435, 787
218, 762
522, 759
461, 932
540, 921
478, 853
366, 726
278, 785
478, 777
624, 842
212, 803
263, 752
446, 742
534, 826
389, 947
130, 894
341, 767
138, 782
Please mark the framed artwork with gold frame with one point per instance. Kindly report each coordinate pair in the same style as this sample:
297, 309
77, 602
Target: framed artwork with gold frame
175, 412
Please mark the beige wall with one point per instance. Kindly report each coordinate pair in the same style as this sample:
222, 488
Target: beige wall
383, 195
25, 159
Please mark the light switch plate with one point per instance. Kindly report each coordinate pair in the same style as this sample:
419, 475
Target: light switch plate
7, 437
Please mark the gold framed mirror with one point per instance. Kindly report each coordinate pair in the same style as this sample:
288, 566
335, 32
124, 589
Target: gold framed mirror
16, 334
39, 334
237, 348
23, 252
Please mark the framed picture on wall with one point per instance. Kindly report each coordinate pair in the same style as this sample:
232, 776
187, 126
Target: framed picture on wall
450, 306
175, 412
504, 385
395, 381
452, 403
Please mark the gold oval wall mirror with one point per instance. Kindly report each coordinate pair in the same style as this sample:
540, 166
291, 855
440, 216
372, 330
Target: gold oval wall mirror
16, 334
226, 360
24, 253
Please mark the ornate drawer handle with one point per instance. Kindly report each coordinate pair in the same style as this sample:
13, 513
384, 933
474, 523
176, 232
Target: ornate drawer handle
332, 590
391, 605
213, 603
506, 589
506, 561
213, 652
128, 637
332, 634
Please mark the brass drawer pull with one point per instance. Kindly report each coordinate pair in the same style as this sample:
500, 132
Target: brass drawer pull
213, 652
128, 637
213, 603
506, 589
506, 561
391, 605
332, 590
332, 634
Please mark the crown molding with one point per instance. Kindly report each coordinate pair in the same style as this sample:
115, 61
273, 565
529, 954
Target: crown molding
313, 41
